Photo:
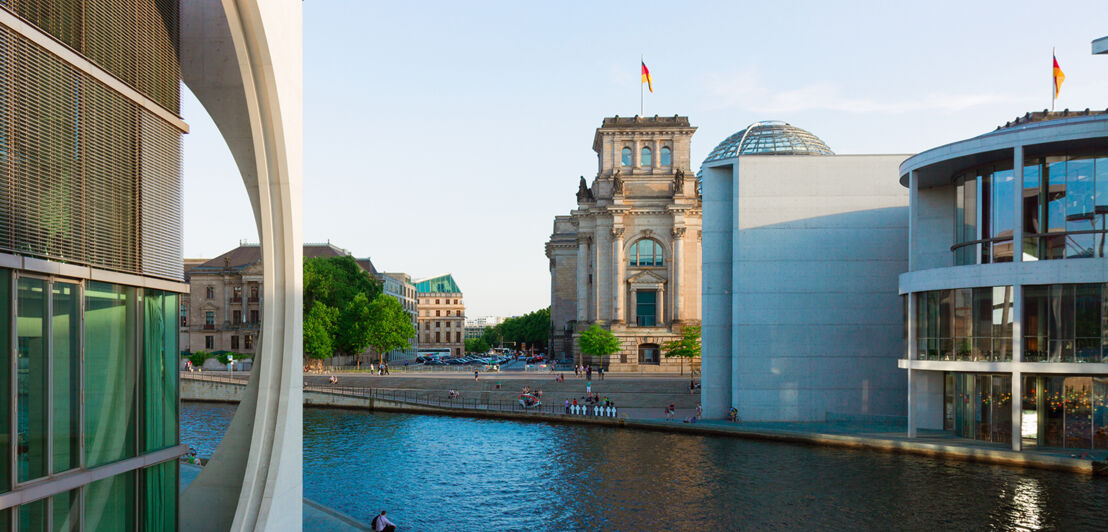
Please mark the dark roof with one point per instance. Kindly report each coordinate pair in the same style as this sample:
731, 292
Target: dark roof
247, 254
1044, 115
645, 121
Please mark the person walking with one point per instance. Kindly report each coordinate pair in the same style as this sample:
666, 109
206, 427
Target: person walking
588, 372
576, 370
382, 523
567, 406
600, 371
588, 388
474, 374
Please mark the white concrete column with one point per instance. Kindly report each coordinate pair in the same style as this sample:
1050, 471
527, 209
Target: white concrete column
913, 216
913, 420
245, 298
678, 270
582, 279
617, 275
1017, 323
913, 333
1017, 207
1017, 411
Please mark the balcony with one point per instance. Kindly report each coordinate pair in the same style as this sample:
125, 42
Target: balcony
236, 299
209, 326
253, 300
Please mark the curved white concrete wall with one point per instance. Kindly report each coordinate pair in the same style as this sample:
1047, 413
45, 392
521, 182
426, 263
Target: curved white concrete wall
243, 60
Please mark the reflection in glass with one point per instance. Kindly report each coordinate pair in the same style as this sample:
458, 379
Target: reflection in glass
160, 510
65, 324
666, 156
1003, 188
625, 157
645, 252
32, 412
1032, 176
109, 373
65, 512
645, 159
646, 308
32, 516
110, 503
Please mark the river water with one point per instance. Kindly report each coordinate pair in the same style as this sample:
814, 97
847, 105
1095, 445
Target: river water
447, 473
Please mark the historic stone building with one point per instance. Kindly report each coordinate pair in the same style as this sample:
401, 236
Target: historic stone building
442, 315
224, 307
628, 258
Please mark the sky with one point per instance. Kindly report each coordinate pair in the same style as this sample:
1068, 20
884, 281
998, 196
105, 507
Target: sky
443, 137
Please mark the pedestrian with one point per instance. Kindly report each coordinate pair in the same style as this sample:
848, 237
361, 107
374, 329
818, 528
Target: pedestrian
567, 406
474, 374
669, 414
575, 402
576, 370
382, 523
699, 411
588, 372
600, 371
588, 387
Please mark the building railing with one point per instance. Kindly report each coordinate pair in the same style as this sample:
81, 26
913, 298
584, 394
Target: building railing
209, 326
429, 398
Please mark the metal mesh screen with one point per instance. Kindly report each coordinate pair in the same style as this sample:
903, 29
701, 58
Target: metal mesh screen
89, 177
135, 40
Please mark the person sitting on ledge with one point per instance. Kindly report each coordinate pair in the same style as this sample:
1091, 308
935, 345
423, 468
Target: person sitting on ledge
382, 523
333, 380
733, 415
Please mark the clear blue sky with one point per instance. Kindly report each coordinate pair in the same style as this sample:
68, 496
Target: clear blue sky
445, 136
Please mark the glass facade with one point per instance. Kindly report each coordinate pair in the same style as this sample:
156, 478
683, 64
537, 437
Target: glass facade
979, 406
1065, 203
130, 391
972, 324
646, 308
769, 137
1069, 412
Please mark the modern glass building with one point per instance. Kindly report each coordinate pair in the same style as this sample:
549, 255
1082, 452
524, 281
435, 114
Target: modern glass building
90, 264
1006, 302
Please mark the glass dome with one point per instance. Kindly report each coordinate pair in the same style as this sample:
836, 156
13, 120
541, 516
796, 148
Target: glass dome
770, 137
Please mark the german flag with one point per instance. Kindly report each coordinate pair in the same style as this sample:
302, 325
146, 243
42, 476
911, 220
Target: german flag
1059, 77
646, 76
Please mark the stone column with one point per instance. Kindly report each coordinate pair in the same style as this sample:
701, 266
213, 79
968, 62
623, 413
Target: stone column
634, 307
582, 279
655, 155
659, 306
245, 298
618, 273
604, 271
678, 271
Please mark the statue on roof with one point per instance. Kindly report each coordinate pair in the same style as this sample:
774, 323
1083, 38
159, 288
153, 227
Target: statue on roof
617, 183
679, 181
583, 192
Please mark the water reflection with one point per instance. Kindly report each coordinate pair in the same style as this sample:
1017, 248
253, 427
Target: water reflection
441, 473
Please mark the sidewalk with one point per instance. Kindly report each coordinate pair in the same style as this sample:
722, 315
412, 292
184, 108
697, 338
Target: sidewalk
892, 438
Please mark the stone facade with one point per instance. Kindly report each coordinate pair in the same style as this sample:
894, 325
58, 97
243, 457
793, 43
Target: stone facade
224, 307
628, 258
442, 315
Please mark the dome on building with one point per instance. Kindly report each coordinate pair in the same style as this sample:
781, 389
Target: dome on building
769, 137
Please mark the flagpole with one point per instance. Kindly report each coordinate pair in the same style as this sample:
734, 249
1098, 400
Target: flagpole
1053, 80
642, 61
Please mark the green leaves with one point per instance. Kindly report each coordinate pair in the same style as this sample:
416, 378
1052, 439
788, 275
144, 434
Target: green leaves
387, 326
687, 347
477, 345
532, 329
337, 295
598, 342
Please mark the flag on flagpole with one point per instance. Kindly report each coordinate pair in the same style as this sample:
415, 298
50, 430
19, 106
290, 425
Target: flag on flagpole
646, 78
1059, 77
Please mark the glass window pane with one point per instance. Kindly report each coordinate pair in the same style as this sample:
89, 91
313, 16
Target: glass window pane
160, 509
109, 373
1003, 213
110, 503
1100, 412
646, 160
32, 516
1087, 301
667, 157
65, 513
1079, 207
625, 157
1032, 180
159, 387
5, 384
66, 353
658, 254
31, 410
1055, 207
646, 308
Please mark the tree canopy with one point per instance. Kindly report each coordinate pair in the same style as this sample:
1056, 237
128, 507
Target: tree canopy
598, 342
687, 347
389, 326
477, 345
337, 296
532, 329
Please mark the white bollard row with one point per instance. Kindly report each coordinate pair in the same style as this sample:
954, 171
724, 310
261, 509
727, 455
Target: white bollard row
595, 410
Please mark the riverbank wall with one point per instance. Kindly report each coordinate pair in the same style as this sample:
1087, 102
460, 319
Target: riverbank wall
877, 438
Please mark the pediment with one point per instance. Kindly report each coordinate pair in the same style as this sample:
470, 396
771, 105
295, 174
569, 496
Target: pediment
646, 277
253, 269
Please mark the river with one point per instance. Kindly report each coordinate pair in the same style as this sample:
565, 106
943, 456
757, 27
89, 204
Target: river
449, 473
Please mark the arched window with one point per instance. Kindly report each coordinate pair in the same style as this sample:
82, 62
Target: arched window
666, 157
645, 159
625, 157
645, 252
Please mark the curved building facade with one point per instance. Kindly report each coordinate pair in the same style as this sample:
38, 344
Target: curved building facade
1006, 294
90, 264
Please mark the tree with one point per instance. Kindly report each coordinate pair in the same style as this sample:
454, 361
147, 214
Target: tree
319, 325
389, 326
491, 337
687, 347
476, 345
344, 289
532, 329
598, 342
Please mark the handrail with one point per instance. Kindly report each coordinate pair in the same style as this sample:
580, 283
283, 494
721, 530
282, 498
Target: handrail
1026, 235
422, 398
